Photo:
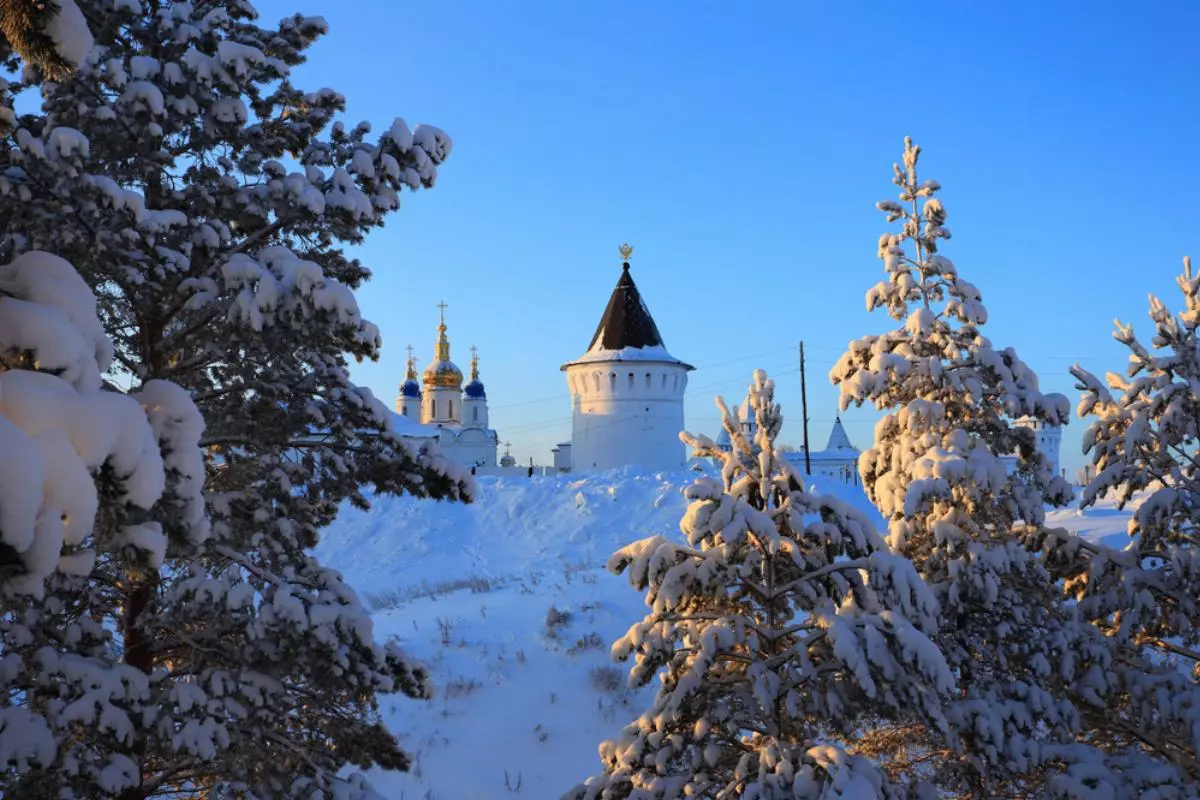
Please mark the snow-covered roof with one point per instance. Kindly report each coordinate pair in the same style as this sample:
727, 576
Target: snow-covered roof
657, 354
407, 426
838, 440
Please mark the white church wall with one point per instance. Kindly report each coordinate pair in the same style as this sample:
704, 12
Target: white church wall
474, 412
468, 446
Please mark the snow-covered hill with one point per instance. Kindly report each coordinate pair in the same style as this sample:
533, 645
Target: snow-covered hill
507, 602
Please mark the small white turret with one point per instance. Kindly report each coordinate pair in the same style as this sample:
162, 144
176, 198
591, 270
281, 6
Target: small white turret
408, 403
474, 404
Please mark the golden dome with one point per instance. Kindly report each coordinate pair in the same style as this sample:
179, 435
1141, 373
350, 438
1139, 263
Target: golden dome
442, 372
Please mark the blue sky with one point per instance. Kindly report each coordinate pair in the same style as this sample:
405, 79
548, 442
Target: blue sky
741, 151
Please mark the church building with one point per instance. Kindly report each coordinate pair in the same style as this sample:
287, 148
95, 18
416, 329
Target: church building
626, 391
440, 407
838, 460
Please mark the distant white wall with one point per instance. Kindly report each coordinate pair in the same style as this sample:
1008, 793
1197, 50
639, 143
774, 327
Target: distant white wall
469, 446
562, 457
842, 469
515, 472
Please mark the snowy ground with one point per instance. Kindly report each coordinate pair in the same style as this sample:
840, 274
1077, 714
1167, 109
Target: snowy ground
522, 704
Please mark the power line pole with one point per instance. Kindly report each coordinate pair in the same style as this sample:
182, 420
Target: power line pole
804, 410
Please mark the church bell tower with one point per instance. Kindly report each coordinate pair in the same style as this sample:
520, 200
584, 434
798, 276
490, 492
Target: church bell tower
442, 395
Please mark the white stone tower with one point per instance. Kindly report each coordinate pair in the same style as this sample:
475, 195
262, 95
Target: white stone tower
442, 396
408, 403
626, 390
474, 404
1049, 440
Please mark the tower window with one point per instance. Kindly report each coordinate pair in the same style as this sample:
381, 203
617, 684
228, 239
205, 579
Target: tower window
450, 406
664, 380
404, 410
475, 414
647, 380
631, 380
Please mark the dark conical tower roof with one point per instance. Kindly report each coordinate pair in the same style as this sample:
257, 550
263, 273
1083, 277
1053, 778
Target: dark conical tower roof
627, 331
626, 321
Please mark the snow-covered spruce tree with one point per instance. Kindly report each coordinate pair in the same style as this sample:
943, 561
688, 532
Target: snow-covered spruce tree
207, 202
782, 622
1143, 444
1033, 676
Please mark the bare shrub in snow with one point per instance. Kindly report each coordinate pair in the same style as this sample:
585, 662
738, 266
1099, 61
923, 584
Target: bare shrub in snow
390, 599
590, 641
445, 628
459, 687
781, 620
606, 679
555, 621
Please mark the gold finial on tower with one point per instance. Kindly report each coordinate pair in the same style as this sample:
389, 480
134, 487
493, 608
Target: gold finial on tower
411, 374
626, 251
474, 363
442, 348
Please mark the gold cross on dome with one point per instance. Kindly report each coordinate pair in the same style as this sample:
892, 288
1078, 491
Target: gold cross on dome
626, 251
442, 310
410, 352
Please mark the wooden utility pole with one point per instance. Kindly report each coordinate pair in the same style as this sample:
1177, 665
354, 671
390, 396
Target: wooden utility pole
804, 411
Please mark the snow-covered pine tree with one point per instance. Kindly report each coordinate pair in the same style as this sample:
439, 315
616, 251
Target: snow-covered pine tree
207, 202
82, 467
1033, 676
783, 621
1143, 445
